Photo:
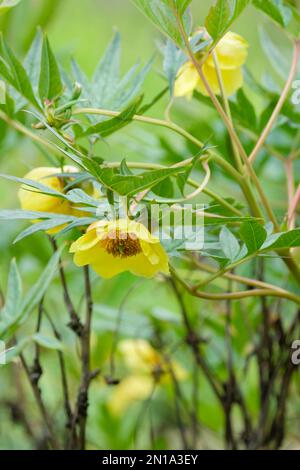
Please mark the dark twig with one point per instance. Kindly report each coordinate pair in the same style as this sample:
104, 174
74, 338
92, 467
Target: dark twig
230, 386
63, 372
75, 323
38, 396
193, 341
80, 415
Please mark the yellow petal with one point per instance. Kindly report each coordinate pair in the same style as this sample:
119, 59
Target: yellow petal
187, 80
83, 258
131, 389
231, 51
141, 266
86, 242
139, 355
232, 79
108, 266
31, 199
156, 255
89, 250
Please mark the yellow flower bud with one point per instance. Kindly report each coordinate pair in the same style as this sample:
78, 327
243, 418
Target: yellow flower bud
231, 54
32, 199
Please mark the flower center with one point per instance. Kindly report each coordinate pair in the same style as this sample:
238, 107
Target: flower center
122, 245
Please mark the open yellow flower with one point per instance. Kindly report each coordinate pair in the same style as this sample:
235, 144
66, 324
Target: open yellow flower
147, 370
112, 247
231, 54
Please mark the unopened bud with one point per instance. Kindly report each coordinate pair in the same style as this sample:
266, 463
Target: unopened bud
77, 89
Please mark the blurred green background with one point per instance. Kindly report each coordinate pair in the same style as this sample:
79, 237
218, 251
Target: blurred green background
83, 29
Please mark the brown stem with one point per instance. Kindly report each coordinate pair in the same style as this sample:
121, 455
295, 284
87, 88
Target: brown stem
279, 105
38, 397
193, 342
63, 372
80, 415
230, 387
75, 323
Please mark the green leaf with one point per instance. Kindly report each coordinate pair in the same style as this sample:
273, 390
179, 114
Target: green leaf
47, 342
50, 84
131, 185
283, 13
32, 62
164, 189
108, 90
19, 214
81, 78
32, 299
182, 5
285, 240
229, 244
37, 292
107, 73
14, 72
124, 170
254, 235
42, 188
6, 5
78, 196
218, 19
174, 58
163, 13
79, 222
244, 111
43, 226
14, 292
108, 127
10, 354
222, 15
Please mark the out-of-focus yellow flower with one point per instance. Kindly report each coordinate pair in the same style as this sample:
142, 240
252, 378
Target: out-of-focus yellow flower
138, 355
231, 54
131, 389
148, 368
32, 199
112, 247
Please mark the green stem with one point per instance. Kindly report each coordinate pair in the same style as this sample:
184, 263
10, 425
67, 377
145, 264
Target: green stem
190, 181
168, 125
144, 166
233, 135
236, 153
32, 135
235, 295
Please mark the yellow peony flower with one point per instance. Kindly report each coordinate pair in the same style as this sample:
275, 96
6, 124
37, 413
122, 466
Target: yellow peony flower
231, 53
147, 369
112, 247
32, 199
